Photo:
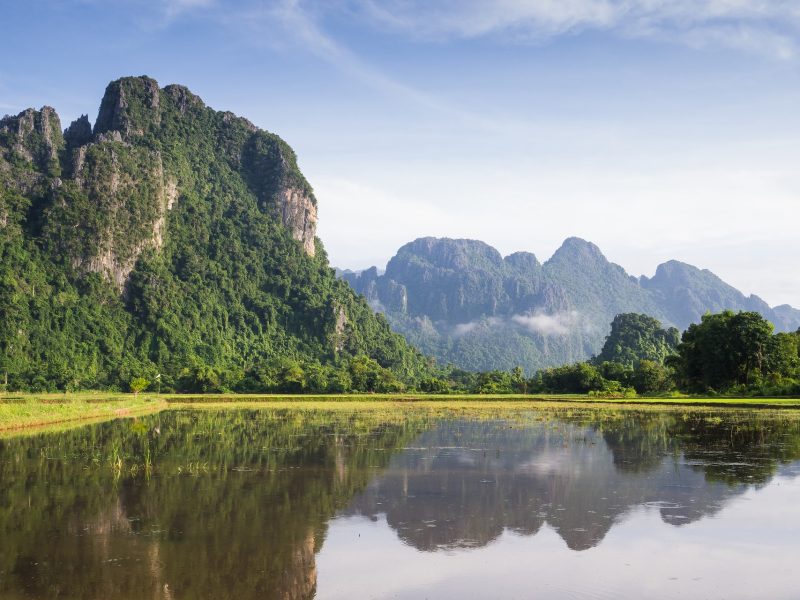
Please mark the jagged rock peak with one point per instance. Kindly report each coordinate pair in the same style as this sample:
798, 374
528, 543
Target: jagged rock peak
130, 106
676, 268
35, 136
523, 261
451, 253
133, 107
79, 132
183, 98
575, 248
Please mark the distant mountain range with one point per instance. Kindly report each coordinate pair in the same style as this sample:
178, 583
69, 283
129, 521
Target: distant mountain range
463, 302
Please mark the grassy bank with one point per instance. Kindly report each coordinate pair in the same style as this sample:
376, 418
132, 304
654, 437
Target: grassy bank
22, 411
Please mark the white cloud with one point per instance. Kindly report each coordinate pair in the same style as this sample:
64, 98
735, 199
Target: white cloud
558, 324
765, 27
463, 329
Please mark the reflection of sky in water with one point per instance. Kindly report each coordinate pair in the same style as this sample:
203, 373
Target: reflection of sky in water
747, 550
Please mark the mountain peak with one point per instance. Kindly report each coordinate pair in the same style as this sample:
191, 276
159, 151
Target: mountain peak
524, 261
34, 136
575, 248
130, 105
449, 253
170, 209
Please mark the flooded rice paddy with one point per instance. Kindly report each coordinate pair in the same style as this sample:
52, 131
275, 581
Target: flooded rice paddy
410, 502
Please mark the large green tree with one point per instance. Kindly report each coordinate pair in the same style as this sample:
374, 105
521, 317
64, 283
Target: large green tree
635, 337
729, 349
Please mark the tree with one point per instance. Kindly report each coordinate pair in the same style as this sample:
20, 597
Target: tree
138, 384
636, 337
649, 376
724, 350
434, 385
578, 378
494, 382
518, 381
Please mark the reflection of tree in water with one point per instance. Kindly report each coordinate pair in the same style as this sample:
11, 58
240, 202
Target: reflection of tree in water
235, 506
466, 481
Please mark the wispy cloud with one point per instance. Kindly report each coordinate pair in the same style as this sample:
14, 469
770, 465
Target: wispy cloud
557, 324
484, 324
300, 25
766, 27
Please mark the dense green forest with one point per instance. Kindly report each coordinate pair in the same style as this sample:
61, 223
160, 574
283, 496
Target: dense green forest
173, 242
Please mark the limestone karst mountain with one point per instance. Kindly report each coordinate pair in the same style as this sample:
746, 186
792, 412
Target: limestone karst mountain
168, 238
463, 302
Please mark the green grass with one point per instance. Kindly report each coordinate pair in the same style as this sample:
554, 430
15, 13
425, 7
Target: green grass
20, 412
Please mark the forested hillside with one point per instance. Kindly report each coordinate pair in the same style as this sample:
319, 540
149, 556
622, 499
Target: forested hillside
173, 239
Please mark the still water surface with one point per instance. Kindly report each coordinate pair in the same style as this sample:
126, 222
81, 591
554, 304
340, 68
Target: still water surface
411, 503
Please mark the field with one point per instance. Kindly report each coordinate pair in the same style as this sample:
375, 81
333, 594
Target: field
22, 411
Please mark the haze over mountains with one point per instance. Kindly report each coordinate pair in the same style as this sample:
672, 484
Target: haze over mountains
463, 302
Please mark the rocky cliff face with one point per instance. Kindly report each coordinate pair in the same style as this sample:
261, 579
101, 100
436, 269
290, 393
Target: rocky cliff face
34, 136
271, 169
466, 304
122, 168
298, 213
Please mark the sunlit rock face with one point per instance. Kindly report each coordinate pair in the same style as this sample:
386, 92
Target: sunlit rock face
298, 213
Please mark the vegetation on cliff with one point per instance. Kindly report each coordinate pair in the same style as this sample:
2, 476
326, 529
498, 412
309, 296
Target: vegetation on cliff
173, 239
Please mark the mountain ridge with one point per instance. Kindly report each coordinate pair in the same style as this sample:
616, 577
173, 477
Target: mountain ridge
463, 302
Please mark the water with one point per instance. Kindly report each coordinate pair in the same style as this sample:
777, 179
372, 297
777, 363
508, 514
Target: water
418, 503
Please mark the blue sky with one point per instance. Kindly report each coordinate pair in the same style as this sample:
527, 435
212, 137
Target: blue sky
657, 129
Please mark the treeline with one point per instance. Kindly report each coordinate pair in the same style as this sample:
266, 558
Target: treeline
726, 353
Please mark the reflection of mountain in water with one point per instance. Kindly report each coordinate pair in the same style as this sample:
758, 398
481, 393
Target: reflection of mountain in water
464, 482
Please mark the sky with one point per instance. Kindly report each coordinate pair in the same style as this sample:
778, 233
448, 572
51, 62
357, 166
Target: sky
657, 129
